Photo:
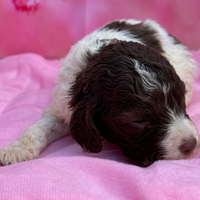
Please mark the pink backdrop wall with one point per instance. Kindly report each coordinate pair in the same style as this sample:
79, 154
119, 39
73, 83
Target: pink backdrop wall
50, 27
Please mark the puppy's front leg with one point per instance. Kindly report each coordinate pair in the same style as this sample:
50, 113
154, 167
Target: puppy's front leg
34, 139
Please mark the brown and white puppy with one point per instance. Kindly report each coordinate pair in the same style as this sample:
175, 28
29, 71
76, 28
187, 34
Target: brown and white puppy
128, 82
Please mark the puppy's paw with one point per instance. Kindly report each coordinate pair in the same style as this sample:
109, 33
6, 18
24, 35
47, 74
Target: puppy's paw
17, 152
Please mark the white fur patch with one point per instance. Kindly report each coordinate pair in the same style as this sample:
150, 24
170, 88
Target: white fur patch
148, 78
178, 130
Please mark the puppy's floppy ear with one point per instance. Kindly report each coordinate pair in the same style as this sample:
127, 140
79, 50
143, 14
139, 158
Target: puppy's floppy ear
82, 126
83, 129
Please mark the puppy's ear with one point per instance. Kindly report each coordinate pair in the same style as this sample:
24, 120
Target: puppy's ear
83, 129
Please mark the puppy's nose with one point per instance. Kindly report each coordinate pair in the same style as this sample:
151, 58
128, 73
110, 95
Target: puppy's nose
188, 146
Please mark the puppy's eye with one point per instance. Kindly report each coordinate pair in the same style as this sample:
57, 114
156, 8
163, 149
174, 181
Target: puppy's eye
141, 120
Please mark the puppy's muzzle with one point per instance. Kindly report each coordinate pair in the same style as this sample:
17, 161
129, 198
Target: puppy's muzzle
188, 146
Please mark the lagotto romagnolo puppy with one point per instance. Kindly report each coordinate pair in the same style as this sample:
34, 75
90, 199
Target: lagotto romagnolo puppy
128, 82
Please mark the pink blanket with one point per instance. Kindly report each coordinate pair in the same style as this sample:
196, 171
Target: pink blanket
63, 171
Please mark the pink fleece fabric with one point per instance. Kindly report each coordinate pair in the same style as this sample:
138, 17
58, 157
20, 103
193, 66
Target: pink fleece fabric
63, 171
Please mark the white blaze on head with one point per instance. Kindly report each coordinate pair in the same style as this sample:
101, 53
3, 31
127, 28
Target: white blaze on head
182, 139
148, 77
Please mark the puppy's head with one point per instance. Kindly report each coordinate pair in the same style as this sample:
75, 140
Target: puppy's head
132, 96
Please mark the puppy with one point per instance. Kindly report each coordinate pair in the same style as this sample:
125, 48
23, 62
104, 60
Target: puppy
128, 82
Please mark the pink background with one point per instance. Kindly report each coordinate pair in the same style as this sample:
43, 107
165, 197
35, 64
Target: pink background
63, 171
55, 25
